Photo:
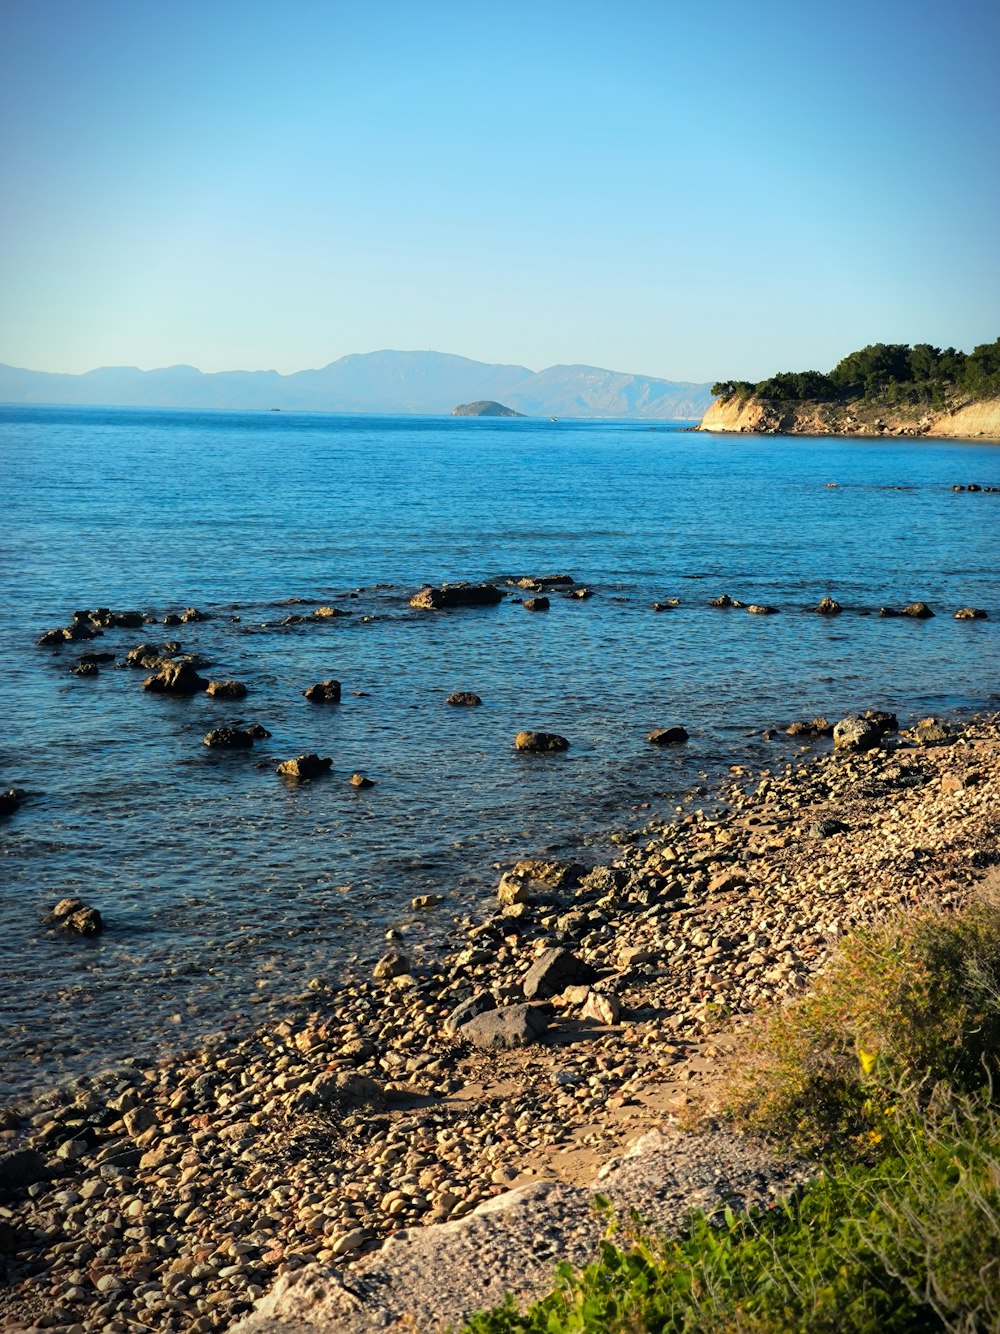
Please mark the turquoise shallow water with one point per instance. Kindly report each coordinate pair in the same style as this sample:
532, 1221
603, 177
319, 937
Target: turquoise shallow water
224, 890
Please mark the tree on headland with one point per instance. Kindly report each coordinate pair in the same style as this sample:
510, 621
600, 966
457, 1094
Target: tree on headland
884, 373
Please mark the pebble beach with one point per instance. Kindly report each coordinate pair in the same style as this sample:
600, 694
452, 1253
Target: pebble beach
588, 1007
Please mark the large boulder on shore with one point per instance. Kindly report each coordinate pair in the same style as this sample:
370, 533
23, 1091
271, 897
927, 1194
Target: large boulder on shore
511, 1026
456, 595
855, 734
553, 971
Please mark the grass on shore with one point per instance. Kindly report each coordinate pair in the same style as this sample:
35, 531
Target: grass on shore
885, 1068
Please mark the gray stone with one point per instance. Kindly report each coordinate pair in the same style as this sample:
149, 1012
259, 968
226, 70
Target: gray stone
856, 734
20, 1168
349, 1090
553, 971
392, 964
512, 1026
480, 1003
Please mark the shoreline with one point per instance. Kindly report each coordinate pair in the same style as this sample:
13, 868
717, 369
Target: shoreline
186, 1186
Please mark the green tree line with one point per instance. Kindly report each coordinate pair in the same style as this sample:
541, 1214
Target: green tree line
890, 373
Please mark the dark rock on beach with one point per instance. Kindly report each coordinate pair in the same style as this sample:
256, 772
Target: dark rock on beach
540, 741
21, 1168
463, 699
456, 595
478, 1003
175, 678
667, 736
304, 767
929, 731
553, 971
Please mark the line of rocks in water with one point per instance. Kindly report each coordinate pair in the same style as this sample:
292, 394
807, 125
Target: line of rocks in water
170, 1195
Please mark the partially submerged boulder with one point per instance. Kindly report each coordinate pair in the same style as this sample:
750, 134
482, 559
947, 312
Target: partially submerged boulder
175, 678
970, 614
463, 699
229, 738
855, 734
304, 767
918, 611
540, 741
456, 595
75, 916
11, 799
226, 690
323, 692
828, 607
536, 604
667, 736
816, 727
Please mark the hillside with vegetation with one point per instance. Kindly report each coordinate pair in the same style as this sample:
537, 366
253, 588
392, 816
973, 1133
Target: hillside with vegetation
885, 388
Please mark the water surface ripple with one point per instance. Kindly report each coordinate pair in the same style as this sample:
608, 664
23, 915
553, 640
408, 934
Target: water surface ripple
223, 889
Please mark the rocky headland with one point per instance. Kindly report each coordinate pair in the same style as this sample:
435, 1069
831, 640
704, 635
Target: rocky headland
759, 416
591, 1007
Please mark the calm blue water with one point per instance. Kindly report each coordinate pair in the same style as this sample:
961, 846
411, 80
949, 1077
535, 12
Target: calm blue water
224, 890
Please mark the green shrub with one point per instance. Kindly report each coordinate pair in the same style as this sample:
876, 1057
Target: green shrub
911, 1244
913, 1003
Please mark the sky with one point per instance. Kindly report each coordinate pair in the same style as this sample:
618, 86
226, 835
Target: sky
695, 191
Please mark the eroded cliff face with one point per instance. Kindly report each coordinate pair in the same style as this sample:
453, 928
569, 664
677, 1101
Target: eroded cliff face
753, 416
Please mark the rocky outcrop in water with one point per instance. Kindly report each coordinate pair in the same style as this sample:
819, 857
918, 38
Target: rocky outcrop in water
446, 596
484, 407
540, 741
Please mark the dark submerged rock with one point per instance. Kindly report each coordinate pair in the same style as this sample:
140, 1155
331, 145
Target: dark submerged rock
464, 699
324, 692
175, 678
479, 1003
228, 738
667, 736
456, 595
540, 741
226, 689
11, 800
304, 767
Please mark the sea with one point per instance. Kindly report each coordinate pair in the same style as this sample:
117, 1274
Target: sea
225, 891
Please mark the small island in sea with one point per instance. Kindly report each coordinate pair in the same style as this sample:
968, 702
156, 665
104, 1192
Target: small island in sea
484, 407
884, 389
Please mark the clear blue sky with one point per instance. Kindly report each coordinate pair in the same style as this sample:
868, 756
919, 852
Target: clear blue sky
689, 190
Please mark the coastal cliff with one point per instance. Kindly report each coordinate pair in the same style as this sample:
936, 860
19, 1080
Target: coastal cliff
755, 415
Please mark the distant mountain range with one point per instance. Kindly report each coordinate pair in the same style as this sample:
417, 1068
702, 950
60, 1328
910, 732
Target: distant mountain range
417, 382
